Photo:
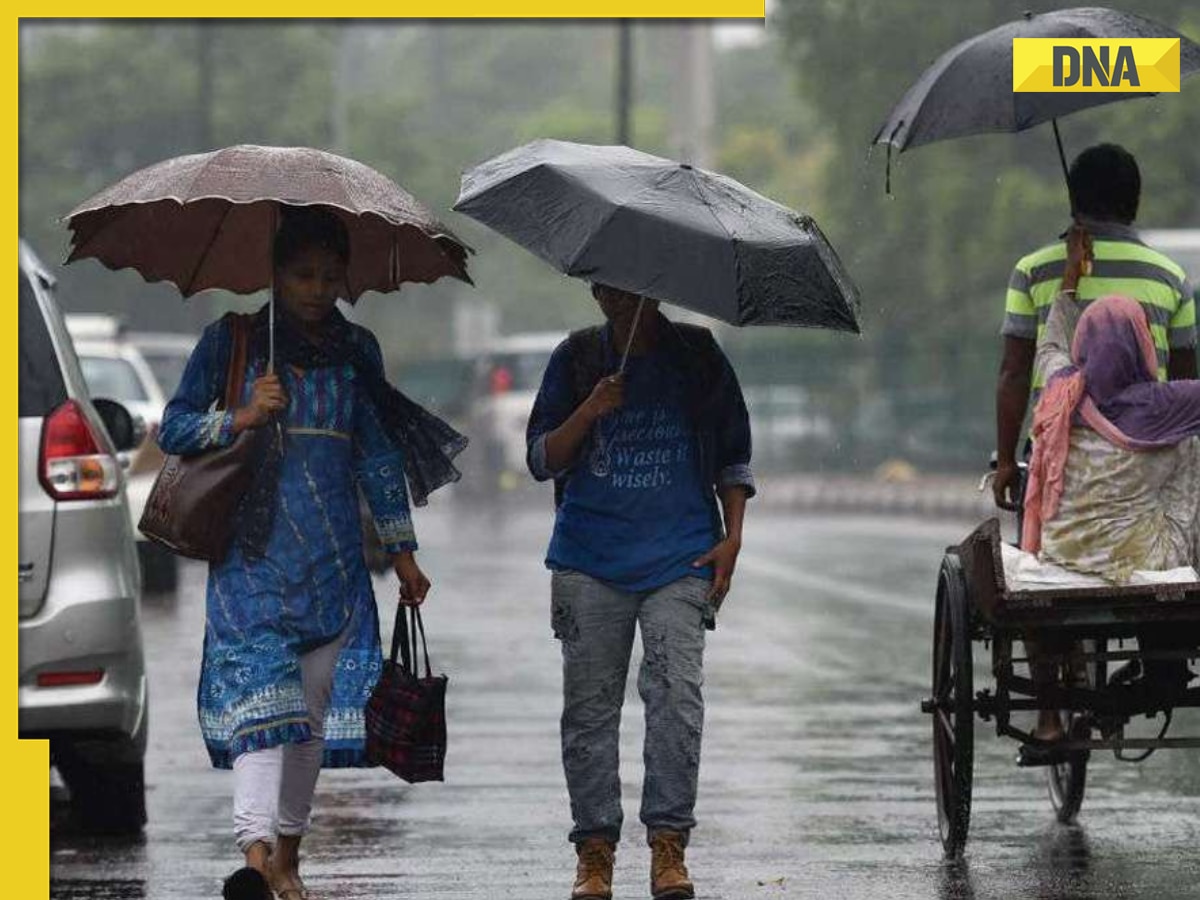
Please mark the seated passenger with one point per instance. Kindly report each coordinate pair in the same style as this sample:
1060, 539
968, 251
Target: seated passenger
1114, 481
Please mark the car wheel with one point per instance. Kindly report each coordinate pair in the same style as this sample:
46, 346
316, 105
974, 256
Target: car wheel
160, 568
106, 778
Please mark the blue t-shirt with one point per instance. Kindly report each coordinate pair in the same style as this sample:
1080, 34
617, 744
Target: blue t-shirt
636, 511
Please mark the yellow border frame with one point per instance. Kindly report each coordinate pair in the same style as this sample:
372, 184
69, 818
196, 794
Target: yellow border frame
26, 837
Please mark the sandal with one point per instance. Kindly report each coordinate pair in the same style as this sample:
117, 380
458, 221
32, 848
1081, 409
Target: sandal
297, 891
1050, 754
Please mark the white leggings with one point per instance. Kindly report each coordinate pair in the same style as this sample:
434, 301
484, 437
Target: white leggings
273, 788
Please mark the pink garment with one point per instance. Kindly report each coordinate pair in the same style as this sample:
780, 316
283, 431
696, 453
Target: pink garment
1064, 396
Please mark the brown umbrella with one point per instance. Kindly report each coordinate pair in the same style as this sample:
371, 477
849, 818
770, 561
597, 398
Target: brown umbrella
208, 220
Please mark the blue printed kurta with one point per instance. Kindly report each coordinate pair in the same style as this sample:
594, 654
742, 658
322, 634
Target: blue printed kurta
312, 582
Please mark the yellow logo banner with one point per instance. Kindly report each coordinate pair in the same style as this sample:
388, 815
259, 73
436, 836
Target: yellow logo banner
1113, 65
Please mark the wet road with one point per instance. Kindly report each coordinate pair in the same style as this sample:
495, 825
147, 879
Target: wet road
816, 776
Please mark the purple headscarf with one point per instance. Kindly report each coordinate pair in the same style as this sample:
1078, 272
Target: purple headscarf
1115, 353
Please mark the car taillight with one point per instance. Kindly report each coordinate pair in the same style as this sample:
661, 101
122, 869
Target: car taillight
70, 679
73, 465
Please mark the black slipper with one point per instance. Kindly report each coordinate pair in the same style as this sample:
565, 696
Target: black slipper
246, 883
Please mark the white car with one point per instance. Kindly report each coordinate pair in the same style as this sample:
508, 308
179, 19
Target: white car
82, 681
166, 353
114, 367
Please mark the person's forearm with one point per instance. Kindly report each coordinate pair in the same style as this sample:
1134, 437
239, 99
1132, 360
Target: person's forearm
1012, 399
733, 509
564, 442
244, 418
1054, 348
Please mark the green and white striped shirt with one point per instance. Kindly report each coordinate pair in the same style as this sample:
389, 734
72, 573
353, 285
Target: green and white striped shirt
1122, 265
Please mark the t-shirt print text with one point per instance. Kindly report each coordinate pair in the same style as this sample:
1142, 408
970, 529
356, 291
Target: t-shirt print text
647, 446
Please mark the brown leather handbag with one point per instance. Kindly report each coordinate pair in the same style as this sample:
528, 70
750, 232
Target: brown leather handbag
192, 507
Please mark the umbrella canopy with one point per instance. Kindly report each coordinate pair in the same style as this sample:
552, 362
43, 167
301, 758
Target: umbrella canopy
969, 89
654, 227
208, 221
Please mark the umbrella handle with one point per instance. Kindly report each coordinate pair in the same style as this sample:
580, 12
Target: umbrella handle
887, 178
271, 291
632, 331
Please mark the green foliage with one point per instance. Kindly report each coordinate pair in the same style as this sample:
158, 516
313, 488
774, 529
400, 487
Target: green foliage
933, 260
423, 101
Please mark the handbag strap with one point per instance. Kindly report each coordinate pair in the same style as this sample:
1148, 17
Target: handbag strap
235, 376
400, 643
416, 617
404, 641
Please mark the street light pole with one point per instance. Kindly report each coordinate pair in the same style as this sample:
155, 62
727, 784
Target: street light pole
624, 81
343, 78
205, 72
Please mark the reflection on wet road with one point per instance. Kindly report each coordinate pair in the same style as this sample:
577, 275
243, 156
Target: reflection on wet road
816, 778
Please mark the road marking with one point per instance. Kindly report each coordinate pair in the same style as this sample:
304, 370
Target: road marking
856, 593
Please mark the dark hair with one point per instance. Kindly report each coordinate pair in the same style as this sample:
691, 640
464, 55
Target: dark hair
302, 227
1105, 183
599, 288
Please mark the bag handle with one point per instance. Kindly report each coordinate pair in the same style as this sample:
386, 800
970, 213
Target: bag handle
235, 376
404, 641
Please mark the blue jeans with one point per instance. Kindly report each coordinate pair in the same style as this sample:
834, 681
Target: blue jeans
595, 624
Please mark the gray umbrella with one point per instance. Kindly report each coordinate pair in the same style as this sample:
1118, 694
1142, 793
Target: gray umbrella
969, 89
654, 227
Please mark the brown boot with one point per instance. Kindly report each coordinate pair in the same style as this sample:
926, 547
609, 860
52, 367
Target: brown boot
668, 875
594, 871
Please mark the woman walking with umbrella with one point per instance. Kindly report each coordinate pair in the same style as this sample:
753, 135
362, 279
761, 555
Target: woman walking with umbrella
292, 642
292, 648
642, 426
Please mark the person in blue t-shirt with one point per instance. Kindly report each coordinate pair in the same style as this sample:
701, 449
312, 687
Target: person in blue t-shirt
640, 459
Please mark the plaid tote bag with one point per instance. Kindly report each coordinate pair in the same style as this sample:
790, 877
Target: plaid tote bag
406, 713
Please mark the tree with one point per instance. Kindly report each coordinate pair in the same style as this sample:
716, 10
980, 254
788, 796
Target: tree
933, 259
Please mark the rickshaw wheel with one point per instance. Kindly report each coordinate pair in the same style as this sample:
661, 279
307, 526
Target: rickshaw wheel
954, 716
1066, 780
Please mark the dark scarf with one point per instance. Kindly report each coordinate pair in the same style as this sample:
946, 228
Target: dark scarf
691, 350
428, 444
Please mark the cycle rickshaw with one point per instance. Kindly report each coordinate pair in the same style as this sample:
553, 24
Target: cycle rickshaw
975, 606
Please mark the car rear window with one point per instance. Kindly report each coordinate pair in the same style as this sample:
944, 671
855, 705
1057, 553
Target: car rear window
113, 378
167, 368
40, 386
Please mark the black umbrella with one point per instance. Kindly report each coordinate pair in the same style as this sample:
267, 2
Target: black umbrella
660, 229
969, 89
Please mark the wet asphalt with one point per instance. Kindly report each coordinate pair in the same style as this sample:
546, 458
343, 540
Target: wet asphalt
816, 778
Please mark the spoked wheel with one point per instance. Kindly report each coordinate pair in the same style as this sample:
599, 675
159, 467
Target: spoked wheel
953, 715
1066, 780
